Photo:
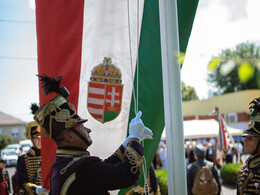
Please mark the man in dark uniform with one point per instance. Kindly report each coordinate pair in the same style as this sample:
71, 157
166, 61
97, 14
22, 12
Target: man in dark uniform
28, 169
248, 179
4, 179
74, 170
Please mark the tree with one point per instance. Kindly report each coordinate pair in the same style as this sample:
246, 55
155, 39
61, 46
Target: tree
188, 92
4, 141
235, 69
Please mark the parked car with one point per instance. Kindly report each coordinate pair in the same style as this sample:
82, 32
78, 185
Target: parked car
14, 147
25, 145
10, 156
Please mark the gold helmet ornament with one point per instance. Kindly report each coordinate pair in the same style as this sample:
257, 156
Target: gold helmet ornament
57, 114
253, 127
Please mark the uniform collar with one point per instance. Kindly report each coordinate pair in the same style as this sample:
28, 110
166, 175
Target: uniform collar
253, 162
35, 152
69, 151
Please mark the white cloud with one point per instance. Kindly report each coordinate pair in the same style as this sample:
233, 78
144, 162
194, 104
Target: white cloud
218, 26
31, 4
236, 9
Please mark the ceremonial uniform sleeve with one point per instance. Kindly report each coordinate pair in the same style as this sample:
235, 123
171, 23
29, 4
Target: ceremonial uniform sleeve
22, 177
119, 175
21, 173
118, 155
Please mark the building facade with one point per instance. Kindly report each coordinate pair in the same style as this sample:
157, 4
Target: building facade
12, 127
233, 106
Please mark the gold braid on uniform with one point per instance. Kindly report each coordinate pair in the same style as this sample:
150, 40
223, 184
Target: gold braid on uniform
143, 191
119, 154
33, 165
249, 176
134, 158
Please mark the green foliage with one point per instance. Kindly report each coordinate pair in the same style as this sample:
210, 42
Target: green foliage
213, 64
4, 141
188, 92
235, 69
161, 175
229, 171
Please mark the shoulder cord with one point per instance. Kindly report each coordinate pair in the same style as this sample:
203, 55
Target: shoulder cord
135, 96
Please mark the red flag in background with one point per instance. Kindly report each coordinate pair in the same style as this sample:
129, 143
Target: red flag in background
225, 140
59, 53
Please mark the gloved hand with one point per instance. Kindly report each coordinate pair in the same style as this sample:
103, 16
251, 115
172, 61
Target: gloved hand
138, 130
41, 190
136, 127
148, 134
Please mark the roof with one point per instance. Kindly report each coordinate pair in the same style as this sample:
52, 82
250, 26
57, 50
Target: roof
204, 129
236, 102
7, 120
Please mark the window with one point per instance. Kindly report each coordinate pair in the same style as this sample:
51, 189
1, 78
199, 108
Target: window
15, 132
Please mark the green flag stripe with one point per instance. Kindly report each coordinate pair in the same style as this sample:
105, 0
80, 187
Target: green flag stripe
150, 92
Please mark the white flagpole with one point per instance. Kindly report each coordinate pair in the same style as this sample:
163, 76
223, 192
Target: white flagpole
172, 97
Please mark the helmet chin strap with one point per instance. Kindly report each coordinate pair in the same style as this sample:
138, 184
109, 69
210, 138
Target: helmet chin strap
80, 136
256, 149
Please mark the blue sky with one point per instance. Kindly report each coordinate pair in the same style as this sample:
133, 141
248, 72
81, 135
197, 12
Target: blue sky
219, 24
18, 58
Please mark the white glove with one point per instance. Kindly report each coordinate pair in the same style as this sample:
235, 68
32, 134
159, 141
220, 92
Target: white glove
136, 127
138, 130
148, 134
41, 190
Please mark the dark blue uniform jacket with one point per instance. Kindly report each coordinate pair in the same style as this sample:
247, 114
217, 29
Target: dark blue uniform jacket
75, 172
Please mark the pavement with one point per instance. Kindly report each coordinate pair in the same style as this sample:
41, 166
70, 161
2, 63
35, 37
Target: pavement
226, 190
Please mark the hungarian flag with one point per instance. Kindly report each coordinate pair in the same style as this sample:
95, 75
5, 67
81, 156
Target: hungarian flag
109, 54
225, 140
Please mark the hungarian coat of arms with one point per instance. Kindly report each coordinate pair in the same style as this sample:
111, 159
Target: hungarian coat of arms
105, 91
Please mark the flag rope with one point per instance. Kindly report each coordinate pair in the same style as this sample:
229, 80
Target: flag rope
137, 80
130, 53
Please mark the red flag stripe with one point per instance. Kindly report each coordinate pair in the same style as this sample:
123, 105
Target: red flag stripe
97, 85
59, 37
97, 116
95, 106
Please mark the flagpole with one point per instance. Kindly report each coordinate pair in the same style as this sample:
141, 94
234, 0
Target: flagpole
172, 97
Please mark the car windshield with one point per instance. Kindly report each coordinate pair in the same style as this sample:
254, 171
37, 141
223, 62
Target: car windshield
12, 147
9, 153
25, 145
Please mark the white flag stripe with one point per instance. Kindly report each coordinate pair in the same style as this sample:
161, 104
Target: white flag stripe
109, 37
96, 101
95, 111
96, 91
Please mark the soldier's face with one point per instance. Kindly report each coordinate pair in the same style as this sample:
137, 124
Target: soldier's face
37, 142
85, 132
2, 165
250, 144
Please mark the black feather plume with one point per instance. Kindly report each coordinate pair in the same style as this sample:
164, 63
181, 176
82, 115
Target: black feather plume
49, 84
34, 108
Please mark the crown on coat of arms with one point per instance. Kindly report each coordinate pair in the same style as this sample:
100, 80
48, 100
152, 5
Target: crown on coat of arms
106, 72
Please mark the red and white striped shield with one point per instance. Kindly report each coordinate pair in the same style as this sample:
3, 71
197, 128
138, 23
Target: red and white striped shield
105, 91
